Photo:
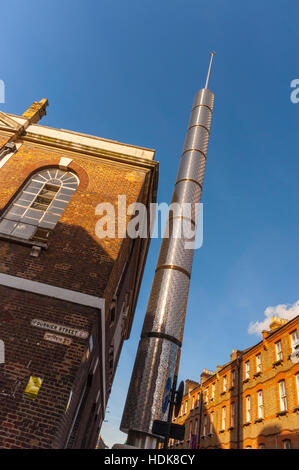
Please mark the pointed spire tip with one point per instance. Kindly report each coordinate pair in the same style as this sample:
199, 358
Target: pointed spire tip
209, 70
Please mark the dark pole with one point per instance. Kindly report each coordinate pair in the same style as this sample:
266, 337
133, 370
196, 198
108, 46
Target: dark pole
170, 411
238, 401
200, 417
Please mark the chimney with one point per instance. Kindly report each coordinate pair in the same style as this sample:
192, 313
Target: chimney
206, 374
277, 322
36, 111
235, 353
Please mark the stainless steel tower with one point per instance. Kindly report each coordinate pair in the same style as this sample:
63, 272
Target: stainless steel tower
159, 348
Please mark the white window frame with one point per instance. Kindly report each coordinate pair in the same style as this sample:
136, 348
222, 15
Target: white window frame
223, 418
247, 369
258, 362
211, 422
224, 383
260, 404
248, 409
294, 340
33, 211
279, 353
283, 395
193, 402
213, 390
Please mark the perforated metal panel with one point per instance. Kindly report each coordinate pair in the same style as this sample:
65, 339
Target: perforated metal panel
164, 321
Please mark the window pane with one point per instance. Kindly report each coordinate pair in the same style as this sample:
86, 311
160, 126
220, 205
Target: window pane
68, 177
40, 178
39, 206
41, 203
7, 226
53, 173
24, 231
47, 224
34, 187
49, 193
27, 197
15, 212
63, 197
23, 203
72, 185
67, 191
34, 214
58, 204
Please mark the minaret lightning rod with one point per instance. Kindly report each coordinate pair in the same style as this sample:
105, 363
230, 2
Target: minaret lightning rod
209, 70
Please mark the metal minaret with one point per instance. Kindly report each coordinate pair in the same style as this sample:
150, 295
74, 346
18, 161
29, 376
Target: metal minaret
161, 338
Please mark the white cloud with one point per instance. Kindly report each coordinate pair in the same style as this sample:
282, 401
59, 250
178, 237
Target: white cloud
286, 311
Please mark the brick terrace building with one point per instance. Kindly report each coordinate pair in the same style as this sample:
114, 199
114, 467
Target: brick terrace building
250, 402
67, 297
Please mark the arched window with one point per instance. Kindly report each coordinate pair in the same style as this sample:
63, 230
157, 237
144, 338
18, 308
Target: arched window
36, 210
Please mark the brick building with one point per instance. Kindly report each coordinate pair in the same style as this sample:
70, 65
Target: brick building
67, 297
250, 402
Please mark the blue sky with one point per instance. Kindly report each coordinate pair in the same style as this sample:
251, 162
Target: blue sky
128, 70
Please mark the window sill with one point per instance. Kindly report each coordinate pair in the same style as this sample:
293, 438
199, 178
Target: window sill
222, 430
296, 410
23, 242
231, 388
203, 437
257, 374
281, 413
210, 434
277, 363
223, 393
231, 428
247, 423
259, 420
246, 380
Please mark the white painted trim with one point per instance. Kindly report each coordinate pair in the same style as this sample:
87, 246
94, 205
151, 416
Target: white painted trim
51, 291
8, 156
103, 356
85, 139
64, 162
62, 294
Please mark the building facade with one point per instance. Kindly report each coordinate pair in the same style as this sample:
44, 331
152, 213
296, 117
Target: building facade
252, 402
67, 297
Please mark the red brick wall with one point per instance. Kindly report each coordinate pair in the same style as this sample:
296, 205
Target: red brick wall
74, 236
3, 141
33, 423
76, 259
273, 428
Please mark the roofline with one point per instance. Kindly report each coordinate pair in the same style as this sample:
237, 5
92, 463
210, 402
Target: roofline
85, 135
245, 351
